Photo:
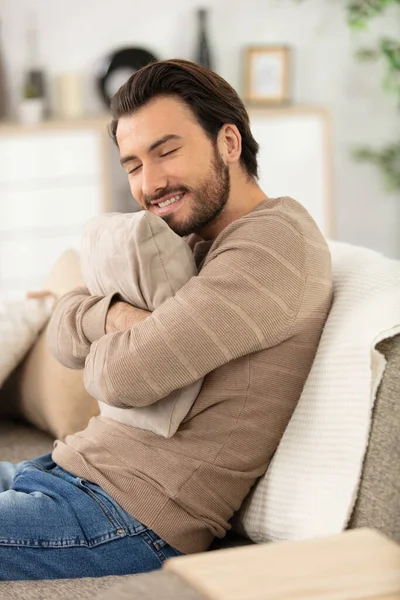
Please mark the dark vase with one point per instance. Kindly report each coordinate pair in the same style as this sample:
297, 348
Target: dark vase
3, 86
203, 56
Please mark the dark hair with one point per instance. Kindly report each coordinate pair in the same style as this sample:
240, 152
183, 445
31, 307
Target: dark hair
212, 100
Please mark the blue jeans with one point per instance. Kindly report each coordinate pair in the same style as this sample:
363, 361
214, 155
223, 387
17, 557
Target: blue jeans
54, 525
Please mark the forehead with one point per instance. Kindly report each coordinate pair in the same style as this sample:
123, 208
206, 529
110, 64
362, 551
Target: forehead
159, 117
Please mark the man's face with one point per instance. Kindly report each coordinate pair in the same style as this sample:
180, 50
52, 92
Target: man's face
174, 170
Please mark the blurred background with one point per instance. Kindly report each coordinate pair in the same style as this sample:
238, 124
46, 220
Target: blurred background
320, 78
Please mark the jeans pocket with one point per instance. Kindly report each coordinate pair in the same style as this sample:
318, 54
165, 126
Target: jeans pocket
43, 463
107, 509
160, 547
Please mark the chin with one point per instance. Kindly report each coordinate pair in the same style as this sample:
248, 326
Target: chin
178, 229
180, 226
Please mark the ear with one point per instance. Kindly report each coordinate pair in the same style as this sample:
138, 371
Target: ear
230, 144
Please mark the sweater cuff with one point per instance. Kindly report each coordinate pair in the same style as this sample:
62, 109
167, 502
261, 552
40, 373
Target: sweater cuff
94, 319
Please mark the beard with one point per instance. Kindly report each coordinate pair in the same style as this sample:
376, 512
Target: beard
208, 200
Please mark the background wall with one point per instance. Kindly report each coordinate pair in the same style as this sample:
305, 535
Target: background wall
75, 35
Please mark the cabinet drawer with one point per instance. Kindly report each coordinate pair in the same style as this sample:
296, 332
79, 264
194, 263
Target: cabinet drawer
293, 161
51, 207
49, 155
17, 289
23, 258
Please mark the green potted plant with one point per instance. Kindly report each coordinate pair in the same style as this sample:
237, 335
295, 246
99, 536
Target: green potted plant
31, 108
32, 103
359, 14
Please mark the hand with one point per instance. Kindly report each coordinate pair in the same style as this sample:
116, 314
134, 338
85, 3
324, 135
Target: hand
122, 316
39, 294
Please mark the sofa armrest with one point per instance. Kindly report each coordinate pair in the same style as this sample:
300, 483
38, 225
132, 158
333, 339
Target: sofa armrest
378, 502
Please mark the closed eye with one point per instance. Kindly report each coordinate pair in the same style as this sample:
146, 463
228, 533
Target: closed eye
170, 152
134, 170
161, 156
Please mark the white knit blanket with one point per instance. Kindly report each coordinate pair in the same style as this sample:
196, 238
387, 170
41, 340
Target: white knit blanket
312, 482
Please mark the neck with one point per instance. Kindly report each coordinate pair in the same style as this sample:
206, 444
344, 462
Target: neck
245, 195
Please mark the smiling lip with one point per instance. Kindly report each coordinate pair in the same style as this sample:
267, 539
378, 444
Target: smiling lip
166, 197
164, 210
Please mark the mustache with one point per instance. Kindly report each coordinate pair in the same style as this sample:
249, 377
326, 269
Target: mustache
183, 189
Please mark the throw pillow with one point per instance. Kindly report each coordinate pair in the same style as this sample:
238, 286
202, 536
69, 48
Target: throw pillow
141, 258
312, 482
20, 323
52, 397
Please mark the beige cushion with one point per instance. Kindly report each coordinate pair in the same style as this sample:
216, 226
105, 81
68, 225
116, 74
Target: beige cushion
136, 255
141, 258
52, 397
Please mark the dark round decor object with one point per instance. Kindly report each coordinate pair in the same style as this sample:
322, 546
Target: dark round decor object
116, 68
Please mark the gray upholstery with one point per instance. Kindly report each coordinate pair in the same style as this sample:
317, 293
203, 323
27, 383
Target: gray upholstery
161, 585
21, 442
60, 589
378, 501
377, 505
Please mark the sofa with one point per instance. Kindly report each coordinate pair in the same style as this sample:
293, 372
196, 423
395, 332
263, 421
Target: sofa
377, 505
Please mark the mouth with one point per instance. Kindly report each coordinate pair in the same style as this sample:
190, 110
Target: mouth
167, 204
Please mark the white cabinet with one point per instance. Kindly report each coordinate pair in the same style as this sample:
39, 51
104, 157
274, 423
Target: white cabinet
49, 154
295, 159
53, 178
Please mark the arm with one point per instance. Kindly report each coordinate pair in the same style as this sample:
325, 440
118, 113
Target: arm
244, 300
78, 319
122, 316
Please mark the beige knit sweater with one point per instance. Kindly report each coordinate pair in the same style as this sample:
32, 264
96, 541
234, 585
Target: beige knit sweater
250, 322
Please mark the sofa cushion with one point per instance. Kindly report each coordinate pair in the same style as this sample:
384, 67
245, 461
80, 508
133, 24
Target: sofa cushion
19, 441
50, 396
148, 587
158, 585
60, 589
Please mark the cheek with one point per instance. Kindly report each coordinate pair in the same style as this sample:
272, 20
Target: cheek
176, 171
188, 171
198, 164
135, 188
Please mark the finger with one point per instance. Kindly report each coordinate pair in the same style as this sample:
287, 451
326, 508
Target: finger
39, 294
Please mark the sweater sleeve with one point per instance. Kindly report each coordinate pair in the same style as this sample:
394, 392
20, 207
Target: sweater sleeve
244, 299
77, 320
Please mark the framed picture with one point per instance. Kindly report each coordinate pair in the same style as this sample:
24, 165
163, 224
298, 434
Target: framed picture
267, 74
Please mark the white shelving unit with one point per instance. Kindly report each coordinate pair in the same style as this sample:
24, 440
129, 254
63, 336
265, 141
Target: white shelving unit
53, 177
56, 175
295, 158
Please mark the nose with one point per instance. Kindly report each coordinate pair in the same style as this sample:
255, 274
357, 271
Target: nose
153, 180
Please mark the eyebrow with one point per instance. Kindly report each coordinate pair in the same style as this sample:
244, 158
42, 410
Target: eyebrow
154, 146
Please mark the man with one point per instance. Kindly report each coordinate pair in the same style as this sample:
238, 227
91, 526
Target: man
114, 499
